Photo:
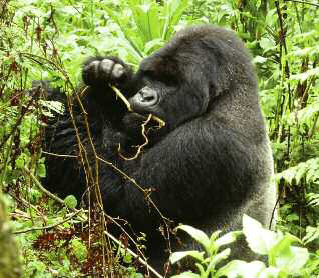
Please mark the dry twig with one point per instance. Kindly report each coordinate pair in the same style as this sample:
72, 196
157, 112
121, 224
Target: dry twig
160, 122
139, 147
134, 255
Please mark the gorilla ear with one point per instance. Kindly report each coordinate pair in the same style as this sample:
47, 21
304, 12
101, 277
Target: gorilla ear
219, 83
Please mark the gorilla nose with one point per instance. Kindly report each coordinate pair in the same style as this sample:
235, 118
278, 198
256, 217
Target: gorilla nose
145, 97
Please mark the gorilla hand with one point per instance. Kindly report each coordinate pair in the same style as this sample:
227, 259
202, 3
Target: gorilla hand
99, 71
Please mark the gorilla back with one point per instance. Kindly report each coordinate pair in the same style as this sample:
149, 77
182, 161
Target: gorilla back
209, 164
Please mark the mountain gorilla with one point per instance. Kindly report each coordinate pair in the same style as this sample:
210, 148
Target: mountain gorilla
207, 166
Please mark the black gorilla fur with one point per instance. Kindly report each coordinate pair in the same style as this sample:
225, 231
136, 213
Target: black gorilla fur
209, 164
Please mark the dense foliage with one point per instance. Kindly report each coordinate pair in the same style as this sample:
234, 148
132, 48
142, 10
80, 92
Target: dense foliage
49, 40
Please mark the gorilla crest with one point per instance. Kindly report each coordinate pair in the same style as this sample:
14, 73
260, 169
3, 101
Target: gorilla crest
207, 166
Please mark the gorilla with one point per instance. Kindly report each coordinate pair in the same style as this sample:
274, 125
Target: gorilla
207, 166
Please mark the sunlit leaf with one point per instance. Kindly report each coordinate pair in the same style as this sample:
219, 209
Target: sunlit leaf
177, 256
196, 234
259, 239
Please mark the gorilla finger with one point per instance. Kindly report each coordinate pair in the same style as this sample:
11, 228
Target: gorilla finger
91, 71
106, 66
118, 71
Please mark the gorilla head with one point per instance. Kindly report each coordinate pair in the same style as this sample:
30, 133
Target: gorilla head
184, 79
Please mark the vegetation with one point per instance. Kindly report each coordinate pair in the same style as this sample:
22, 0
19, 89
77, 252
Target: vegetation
49, 39
284, 260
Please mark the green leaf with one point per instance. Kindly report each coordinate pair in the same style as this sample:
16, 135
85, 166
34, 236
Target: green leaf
196, 234
127, 258
305, 75
258, 3
292, 217
259, 239
272, 272
301, 171
26, 130
147, 20
22, 160
186, 275
153, 45
41, 170
228, 238
218, 258
176, 256
215, 235
56, 106
288, 175
259, 60
201, 269
35, 266
289, 258
312, 233
267, 44
140, 15
126, 31
238, 269
79, 249
70, 201
173, 10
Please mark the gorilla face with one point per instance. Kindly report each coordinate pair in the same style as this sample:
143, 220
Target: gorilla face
174, 100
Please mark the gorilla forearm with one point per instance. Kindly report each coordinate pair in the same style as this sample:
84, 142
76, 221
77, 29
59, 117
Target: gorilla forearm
229, 183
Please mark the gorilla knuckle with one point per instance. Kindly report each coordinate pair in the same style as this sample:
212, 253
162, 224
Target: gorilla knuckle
106, 66
118, 71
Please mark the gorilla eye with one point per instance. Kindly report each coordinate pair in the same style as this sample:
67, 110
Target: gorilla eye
169, 80
151, 75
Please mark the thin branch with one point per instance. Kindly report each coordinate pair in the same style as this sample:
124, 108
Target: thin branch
76, 212
313, 128
304, 2
60, 155
95, 180
160, 122
145, 191
115, 222
45, 191
19, 120
37, 59
49, 226
139, 147
134, 255
123, 98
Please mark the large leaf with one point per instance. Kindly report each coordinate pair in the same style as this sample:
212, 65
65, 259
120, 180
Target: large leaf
196, 234
176, 256
259, 239
186, 275
146, 18
289, 258
173, 10
216, 259
123, 26
237, 268
227, 238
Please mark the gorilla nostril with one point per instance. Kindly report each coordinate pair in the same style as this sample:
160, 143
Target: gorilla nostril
147, 96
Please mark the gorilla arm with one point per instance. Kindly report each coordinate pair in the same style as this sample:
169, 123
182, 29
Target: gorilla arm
187, 175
